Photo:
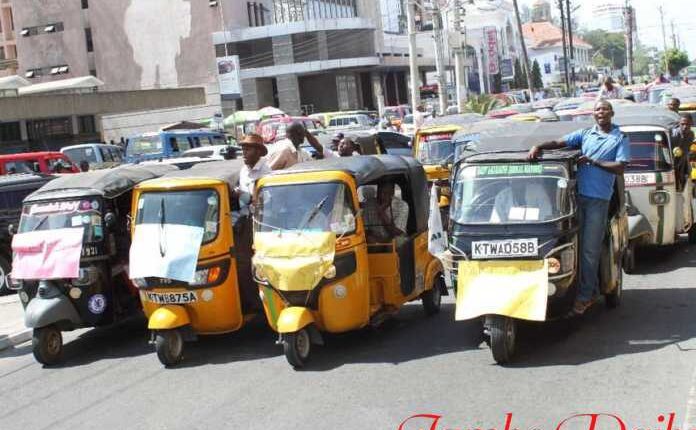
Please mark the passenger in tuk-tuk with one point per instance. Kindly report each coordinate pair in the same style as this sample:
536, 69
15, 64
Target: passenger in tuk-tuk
385, 214
347, 147
673, 104
682, 138
605, 153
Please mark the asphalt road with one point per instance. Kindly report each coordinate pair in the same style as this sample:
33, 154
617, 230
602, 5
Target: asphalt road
636, 362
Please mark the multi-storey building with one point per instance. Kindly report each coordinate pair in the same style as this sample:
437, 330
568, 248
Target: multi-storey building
8, 46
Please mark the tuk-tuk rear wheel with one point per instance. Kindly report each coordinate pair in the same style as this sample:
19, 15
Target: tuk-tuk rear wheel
629, 259
170, 347
503, 336
47, 344
432, 299
297, 347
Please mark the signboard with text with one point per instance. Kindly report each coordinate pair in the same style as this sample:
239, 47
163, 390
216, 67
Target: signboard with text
491, 40
228, 77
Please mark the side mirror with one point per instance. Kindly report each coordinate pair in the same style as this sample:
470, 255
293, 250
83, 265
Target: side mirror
110, 220
677, 152
12, 229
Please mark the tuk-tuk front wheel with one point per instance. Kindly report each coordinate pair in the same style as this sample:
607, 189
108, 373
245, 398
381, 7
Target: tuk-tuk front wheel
297, 347
502, 332
170, 347
47, 344
432, 299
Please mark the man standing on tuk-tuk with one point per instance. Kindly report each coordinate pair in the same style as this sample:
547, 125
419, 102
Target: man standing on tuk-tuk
287, 152
682, 138
605, 152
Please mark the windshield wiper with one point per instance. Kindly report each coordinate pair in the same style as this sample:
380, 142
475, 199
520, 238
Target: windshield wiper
162, 248
313, 213
40, 223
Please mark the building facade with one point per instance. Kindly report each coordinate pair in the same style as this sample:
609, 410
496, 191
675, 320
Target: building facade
8, 46
545, 45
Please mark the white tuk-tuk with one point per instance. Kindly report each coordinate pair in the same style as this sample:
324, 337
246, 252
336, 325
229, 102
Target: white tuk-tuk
660, 205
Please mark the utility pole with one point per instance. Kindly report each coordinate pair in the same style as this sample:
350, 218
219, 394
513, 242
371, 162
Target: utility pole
565, 46
674, 37
664, 36
525, 59
439, 57
459, 59
628, 17
412, 54
572, 47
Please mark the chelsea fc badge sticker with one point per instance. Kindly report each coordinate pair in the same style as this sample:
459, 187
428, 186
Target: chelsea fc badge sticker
97, 304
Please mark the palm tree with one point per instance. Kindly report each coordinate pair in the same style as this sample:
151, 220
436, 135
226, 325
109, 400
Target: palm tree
481, 104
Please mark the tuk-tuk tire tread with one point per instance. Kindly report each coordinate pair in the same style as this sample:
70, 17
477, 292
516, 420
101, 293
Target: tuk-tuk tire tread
502, 347
629, 259
692, 235
293, 346
613, 300
47, 345
432, 299
170, 347
5, 269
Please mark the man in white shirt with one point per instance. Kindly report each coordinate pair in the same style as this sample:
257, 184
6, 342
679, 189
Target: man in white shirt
253, 151
287, 152
610, 90
419, 117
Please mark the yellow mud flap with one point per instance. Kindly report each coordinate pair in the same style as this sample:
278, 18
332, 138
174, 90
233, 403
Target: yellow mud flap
516, 289
168, 317
294, 319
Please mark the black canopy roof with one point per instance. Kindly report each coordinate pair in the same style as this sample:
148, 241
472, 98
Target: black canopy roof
368, 169
226, 171
108, 183
505, 139
459, 120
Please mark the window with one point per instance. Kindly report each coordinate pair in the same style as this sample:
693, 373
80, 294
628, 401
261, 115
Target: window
50, 29
85, 4
9, 131
105, 154
2, 53
86, 124
88, 39
53, 127
25, 32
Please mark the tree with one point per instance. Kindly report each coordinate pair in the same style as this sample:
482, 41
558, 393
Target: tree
600, 61
520, 81
676, 60
481, 104
536, 76
611, 46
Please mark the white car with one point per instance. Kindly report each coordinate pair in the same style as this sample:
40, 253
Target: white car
98, 155
215, 152
347, 122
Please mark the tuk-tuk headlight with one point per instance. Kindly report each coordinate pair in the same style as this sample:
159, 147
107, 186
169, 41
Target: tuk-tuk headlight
209, 275
659, 198
554, 266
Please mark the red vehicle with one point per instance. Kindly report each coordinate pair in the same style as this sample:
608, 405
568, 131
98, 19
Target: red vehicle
273, 129
36, 162
396, 114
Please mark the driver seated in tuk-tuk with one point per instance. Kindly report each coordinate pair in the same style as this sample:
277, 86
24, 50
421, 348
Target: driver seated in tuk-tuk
385, 215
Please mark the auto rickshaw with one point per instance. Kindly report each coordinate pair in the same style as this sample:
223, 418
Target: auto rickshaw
71, 254
660, 200
317, 263
513, 233
191, 256
434, 148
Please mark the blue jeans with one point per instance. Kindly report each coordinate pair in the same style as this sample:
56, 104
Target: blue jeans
593, 225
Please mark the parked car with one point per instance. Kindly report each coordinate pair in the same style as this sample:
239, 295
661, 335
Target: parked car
347, 122
167, 144
98, 155
273, 129
217, 152
13, 190
36, 162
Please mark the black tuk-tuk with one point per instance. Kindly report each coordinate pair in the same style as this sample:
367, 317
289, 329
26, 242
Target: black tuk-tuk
514, 232
70, 254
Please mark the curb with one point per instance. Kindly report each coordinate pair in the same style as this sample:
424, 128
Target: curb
15, 339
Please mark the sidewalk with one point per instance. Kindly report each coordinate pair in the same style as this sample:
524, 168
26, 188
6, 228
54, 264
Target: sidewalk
12, 329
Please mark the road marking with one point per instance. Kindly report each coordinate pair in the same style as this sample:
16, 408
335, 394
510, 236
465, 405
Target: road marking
690, 415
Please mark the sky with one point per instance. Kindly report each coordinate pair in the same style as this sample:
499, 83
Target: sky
649, 29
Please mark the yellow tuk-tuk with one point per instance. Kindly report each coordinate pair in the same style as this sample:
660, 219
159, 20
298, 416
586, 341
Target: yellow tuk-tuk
322, 260
191, 256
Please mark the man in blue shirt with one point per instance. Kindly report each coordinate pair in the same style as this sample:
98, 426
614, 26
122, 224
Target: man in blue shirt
605, 153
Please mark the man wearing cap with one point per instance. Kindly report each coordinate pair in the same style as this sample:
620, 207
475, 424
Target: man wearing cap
253, 151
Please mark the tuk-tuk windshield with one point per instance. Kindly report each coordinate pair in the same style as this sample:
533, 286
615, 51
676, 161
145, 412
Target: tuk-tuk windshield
511, 194
56, 215
195, 208
649, 152
141, 145
325, 207
435, 148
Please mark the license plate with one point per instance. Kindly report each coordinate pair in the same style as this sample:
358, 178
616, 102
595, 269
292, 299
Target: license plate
172, 298
504, 248
639, 179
